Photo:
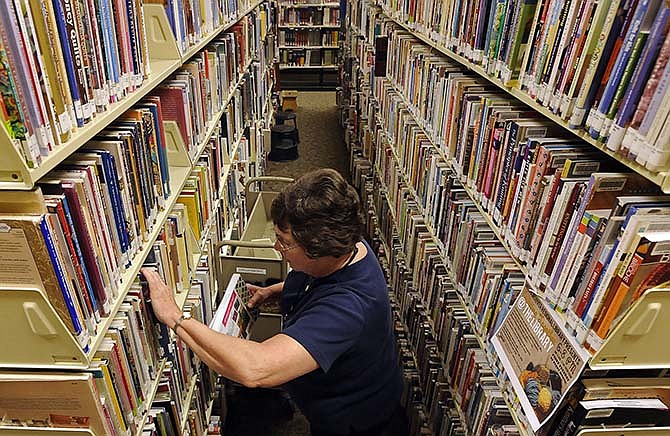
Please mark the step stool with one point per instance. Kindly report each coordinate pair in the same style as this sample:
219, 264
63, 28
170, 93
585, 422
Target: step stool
284, 143
289, 100
282, 117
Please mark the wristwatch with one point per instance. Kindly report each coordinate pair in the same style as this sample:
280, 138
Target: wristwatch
184, 316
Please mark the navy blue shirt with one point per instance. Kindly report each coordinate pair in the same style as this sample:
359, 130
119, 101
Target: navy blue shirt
344, 321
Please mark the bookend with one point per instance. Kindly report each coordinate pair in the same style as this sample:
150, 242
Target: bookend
176, 147
35, 336
635, 343
13, 169
162, 44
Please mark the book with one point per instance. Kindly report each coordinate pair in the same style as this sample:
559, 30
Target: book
648, 58
233, 317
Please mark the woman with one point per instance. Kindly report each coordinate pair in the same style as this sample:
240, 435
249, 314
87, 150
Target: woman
336, 354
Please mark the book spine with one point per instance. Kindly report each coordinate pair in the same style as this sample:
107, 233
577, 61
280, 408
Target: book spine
614, 78
598, 61
75, 247
623, 86
651, 84
90, 258
53, 59
74, 322
71, 56
657, 34
564, 27
41, 95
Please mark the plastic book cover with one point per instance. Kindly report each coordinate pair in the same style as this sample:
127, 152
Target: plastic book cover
233, 317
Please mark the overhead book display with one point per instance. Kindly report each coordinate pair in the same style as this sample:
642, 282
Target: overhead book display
308, 36
136, 159
480, 197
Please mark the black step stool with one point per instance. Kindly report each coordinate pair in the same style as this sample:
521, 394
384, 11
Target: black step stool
282, 117
284, 143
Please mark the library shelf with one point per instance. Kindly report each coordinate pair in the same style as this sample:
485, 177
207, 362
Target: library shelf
164, 59
308, 67
661, 178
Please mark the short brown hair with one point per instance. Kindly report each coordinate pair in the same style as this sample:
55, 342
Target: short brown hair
323, 213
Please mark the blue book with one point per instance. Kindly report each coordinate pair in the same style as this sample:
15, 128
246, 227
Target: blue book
169, 11
62, 282
69, 62
133, 33
111, 177
643, 8
110, 47
657, 34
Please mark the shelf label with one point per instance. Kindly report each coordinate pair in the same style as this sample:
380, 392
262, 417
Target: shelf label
245, 270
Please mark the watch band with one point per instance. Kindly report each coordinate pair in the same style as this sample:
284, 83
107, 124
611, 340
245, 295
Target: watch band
183, 317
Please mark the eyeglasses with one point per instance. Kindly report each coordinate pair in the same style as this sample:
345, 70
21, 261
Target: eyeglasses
283, 248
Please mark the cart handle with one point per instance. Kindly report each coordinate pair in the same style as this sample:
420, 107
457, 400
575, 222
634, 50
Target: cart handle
266, 179
247, 244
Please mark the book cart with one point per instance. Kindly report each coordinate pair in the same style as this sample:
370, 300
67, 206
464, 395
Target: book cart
253, 255
381, 101
40, 340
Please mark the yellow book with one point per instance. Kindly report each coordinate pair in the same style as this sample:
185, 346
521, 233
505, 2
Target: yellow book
44, 20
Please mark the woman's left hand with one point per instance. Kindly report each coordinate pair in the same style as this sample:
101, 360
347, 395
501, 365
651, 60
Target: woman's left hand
162, 299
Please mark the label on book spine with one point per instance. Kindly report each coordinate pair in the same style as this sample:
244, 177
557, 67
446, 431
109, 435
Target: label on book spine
64, 123
477, 56
564, 105
88, 109
577, 117
505, 74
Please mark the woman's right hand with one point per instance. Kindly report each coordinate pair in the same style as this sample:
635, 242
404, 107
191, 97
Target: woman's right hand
258, 295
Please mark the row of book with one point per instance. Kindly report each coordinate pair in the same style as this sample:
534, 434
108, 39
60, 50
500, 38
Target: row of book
115, 393
193, 21
308, 57
443, 366
82, 60
183, 395
477, 272
310, 16
520, 173
308, 37
104, 200
600, 67
436, 328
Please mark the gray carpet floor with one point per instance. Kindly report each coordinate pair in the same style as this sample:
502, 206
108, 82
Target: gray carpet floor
267, 412
321, 137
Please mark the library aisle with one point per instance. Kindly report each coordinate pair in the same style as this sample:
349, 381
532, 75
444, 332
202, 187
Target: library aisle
254, 412
321, 137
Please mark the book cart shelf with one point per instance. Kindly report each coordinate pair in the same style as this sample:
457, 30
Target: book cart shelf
635, 342
40, 339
